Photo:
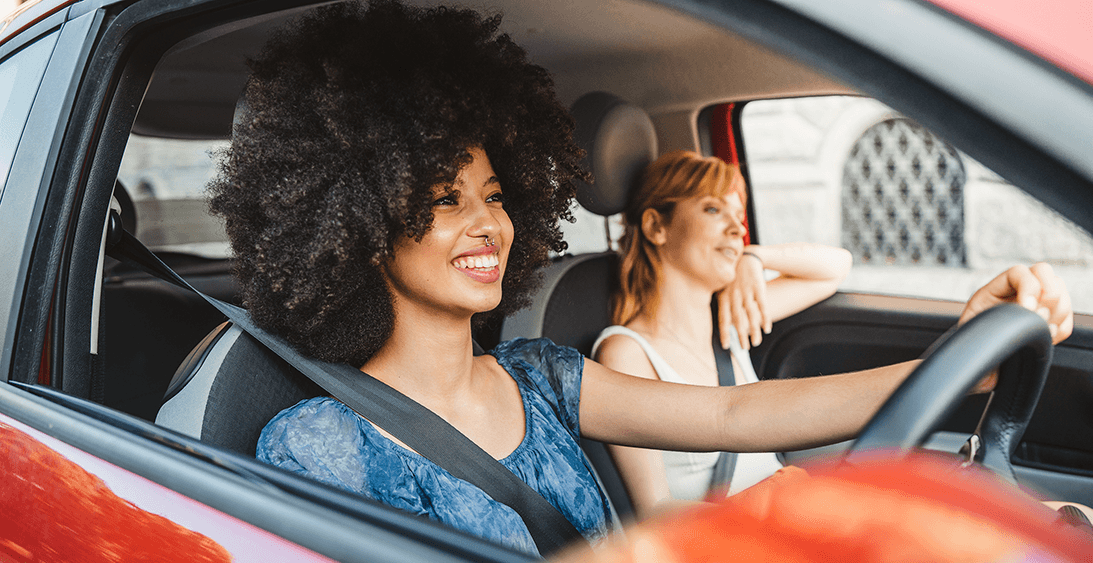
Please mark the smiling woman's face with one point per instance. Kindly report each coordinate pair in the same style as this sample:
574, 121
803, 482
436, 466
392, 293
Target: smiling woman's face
704, 238
457, 268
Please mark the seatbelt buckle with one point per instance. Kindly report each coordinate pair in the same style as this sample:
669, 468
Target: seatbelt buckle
971, 449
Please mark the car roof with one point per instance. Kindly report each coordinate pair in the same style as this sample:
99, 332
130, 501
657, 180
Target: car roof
611, 43
587, 44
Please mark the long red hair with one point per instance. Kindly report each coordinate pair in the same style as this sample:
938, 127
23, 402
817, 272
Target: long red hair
675, 176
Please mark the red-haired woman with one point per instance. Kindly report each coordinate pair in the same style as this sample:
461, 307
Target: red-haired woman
684, 242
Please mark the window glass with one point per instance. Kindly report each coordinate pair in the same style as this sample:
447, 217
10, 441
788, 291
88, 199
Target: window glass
20, 75
166, 179
921, 218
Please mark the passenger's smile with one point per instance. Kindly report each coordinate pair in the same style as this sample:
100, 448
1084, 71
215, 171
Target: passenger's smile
730, 252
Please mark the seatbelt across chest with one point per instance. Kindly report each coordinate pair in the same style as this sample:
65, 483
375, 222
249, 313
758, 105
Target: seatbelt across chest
726, 462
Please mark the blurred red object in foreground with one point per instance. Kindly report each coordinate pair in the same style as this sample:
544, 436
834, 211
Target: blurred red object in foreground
52, 510
919, 508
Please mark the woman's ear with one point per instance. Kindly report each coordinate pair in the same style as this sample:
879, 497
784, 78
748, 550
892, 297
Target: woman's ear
653, 227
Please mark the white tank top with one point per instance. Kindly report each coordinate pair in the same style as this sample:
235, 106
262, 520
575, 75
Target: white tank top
691, 473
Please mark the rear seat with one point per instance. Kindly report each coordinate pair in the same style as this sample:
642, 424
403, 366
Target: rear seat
147, 328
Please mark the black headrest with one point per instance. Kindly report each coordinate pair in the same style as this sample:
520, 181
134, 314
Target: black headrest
620, 142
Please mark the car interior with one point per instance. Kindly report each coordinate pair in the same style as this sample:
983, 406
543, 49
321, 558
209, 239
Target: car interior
641, 79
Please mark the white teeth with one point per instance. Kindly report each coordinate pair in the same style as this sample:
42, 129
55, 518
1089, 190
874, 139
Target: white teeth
478, 262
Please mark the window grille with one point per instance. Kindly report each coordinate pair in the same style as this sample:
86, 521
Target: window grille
903, 198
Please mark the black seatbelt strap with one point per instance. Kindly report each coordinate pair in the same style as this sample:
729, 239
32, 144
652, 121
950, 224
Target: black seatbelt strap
726, 462
405, 419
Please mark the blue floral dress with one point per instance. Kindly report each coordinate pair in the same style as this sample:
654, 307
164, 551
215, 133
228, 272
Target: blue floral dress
325, 440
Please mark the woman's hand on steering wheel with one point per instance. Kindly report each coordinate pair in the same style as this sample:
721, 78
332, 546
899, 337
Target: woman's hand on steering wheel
935, 388
1035, 288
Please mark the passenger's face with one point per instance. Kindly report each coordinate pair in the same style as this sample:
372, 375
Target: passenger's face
704, 238
454, 269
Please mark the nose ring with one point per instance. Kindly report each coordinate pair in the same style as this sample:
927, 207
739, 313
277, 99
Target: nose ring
490, 242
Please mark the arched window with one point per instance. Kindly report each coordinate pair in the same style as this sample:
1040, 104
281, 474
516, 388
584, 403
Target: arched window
903, 198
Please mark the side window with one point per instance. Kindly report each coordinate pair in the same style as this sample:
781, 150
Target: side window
921, 218
20, 75
166, 180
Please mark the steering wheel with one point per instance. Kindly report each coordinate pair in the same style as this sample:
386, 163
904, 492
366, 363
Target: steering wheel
951, 368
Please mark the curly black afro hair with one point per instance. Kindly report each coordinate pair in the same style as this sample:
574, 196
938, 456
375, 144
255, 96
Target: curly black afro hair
354, 112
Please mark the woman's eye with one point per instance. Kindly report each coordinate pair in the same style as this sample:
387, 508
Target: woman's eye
497, 197
449, 199
712, 210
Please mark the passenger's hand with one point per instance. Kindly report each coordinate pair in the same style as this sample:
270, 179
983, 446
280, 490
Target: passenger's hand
1037, 289
746, 301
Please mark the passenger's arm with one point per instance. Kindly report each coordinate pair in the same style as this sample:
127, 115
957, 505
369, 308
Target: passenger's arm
809, 272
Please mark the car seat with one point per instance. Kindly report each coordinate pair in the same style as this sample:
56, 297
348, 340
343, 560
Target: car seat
574, 304
228, 388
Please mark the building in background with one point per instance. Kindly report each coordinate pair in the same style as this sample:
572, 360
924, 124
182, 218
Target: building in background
921, 218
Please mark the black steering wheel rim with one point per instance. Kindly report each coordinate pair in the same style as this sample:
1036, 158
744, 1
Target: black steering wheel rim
951, 368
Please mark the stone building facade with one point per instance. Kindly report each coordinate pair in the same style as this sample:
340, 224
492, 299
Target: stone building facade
805, 160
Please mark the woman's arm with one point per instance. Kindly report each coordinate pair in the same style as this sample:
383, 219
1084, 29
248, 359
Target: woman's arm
642, 470
784, 414
779, 415
809, 272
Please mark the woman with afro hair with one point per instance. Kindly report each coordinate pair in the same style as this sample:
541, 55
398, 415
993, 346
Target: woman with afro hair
400, 172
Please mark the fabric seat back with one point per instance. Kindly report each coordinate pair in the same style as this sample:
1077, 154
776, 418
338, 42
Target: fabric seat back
228, 388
